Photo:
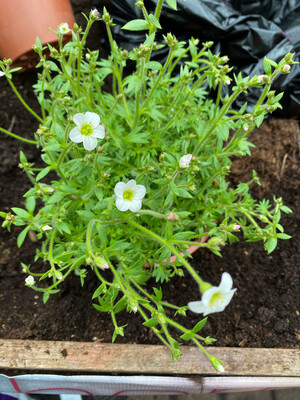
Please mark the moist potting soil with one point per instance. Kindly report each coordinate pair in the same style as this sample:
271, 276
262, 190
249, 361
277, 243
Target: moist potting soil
265, 309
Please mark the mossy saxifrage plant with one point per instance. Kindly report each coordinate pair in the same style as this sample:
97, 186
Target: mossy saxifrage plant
150, 179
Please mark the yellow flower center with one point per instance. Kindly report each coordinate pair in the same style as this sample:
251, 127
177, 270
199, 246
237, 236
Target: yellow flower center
216, 299
128, 194
86, 129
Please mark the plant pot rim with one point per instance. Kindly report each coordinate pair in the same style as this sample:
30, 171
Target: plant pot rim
90, 357
22, 22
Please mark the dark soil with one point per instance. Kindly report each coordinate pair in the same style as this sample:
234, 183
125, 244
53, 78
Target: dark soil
266, 307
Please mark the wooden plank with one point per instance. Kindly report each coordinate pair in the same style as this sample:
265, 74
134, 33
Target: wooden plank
104, 358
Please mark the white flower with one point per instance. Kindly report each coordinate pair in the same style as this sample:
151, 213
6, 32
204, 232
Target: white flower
214, 299
64, 28
129, 196
30, 280
2, 73
47, 228
87, 130
184, 162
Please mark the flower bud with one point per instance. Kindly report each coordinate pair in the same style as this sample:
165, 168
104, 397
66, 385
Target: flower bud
76, 27
101, 262
286, 69
215, 242
217, 364
192, 187
207, 44
94, 14
106, 18
289, 58
171, 217
260, 78
29, 281
170, 40
124, 54
140, 4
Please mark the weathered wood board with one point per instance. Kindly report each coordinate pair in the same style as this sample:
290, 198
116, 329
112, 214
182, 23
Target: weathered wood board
68, 357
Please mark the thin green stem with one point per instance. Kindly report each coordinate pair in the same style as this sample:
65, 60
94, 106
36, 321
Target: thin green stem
154, 329
99, 276
152, 213
138, 96
162, 71
117, 74
218, 99
252, 220
51, 244
17, 136
24, 102
214, 123
113, 317
182, 328
63, 154
170, 247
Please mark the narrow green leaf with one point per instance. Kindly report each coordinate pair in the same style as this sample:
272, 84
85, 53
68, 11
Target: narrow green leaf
158, 293
174, 188
23, 159
259, 120
99, 291
43, 173
121, 304
136, 25
199, 325
156, 66
271, 245
63, 227
283, 236
151, 322
286, 209
187, 336
46, 296
154, 21
20, 212
22, 236
267, 66
106, 307
184, 193
172, 4
30, 203
150, 39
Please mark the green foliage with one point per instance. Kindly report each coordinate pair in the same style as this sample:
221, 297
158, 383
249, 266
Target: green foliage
163, 131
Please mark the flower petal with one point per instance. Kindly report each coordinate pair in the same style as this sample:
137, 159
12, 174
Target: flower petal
93, 118
119, 189
208, 294
131, 185
122, 204
79, 119
99, 132
135, 205
139, 192
228, 297
75, 135
196, 306
226, 282
89, 142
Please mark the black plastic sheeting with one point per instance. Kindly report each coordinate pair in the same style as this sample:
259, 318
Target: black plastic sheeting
246, 31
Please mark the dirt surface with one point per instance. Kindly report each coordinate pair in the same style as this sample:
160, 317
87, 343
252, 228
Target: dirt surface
265, 311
